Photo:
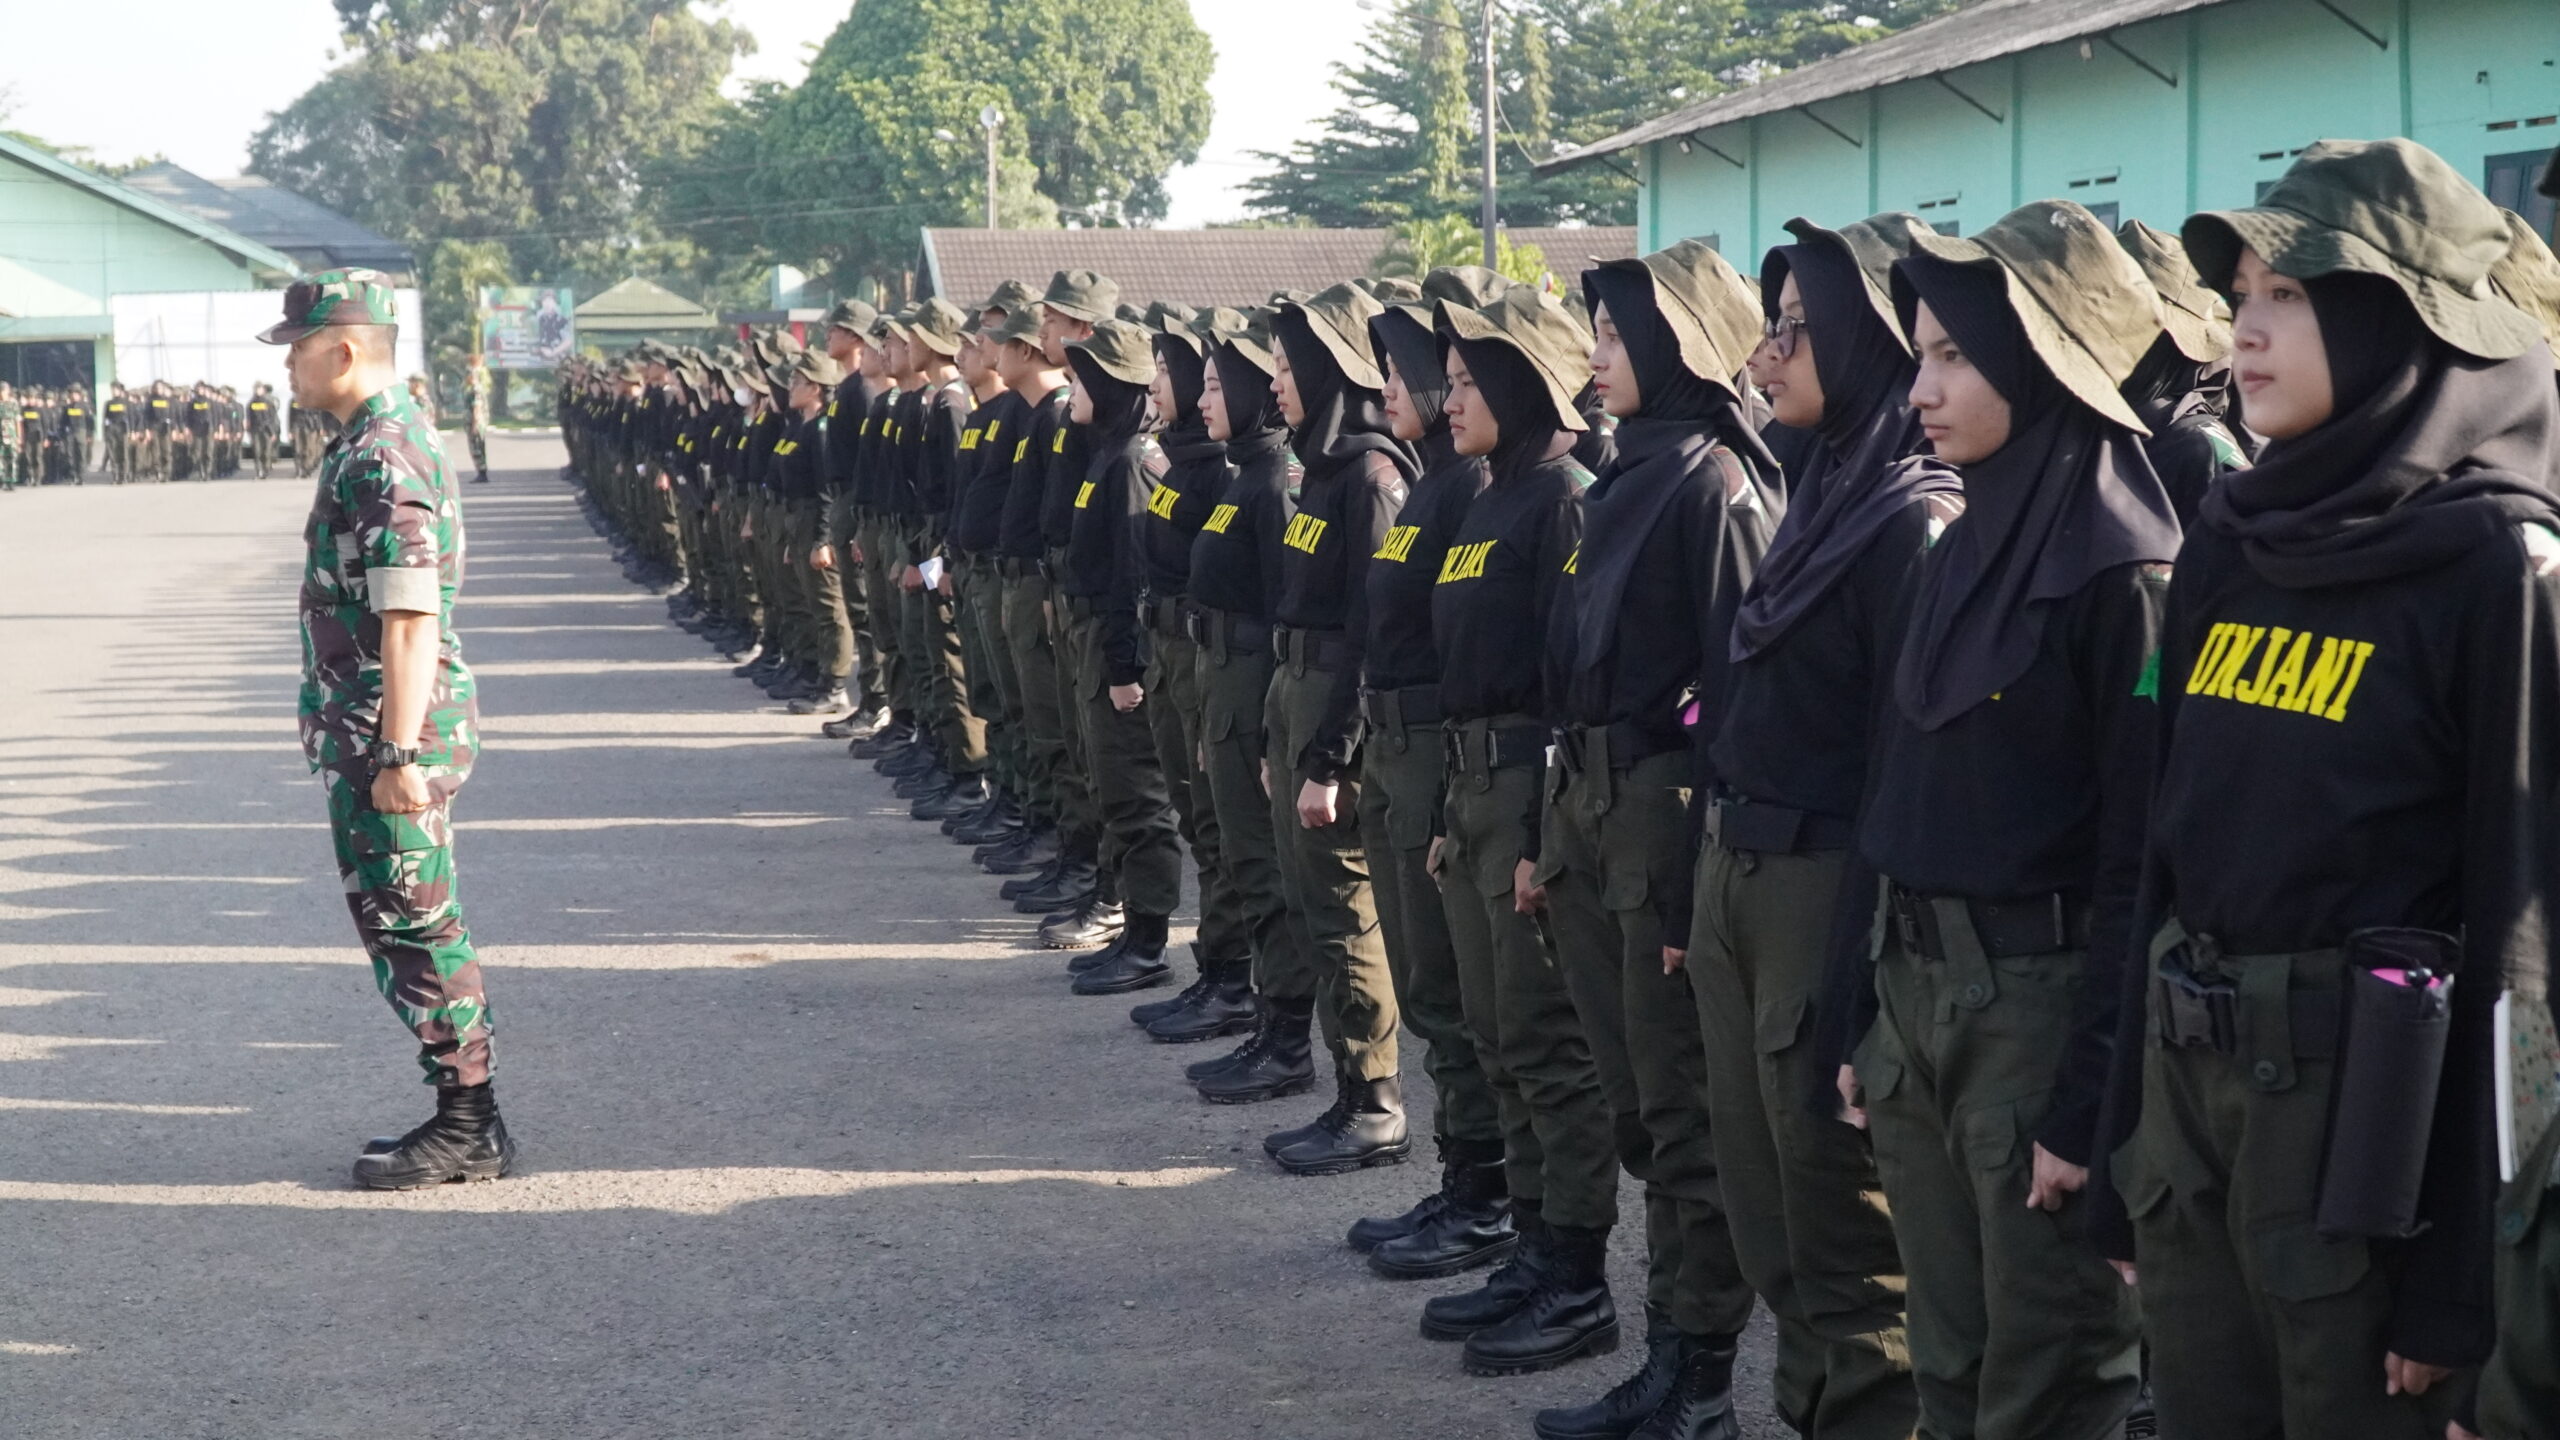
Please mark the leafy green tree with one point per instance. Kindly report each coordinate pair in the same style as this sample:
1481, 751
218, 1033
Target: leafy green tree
1422, 246
1568, 72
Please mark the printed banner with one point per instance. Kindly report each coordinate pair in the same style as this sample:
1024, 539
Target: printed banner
527, 327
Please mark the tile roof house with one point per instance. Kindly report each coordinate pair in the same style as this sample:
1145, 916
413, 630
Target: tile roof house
1204, 267
317, 237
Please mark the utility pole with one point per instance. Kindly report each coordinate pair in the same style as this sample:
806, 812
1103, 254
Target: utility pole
1491, 195
991, 119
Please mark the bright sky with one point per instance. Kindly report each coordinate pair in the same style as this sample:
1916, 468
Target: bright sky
193, 81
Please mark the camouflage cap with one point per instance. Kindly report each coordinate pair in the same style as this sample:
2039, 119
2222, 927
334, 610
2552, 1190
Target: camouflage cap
1537, 327
818, 368
334, 297
1339, 319
2088, 312
1118, 349
2529, 276
2197, 320
1872, 244
2391, 208
1084, 295
1009, 296
851, 314
936, 325
1712, 314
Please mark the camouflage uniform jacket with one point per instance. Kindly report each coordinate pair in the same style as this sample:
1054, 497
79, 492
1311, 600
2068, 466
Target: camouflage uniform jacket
385, 534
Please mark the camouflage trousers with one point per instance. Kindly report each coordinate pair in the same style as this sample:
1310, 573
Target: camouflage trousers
479, 441
400, 884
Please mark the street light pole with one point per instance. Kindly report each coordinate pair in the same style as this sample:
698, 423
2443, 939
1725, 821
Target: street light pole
991, 119
1491, 195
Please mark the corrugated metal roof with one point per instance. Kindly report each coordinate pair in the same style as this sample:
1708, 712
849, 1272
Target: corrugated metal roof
1206, 267
1988, 31
269, 213
214, 233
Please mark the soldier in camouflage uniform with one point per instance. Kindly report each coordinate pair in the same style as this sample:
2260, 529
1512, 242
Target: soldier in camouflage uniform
475, 416
387, 710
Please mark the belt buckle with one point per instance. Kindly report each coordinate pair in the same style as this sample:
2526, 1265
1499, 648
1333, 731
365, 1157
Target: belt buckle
2196, 1014
1906, 922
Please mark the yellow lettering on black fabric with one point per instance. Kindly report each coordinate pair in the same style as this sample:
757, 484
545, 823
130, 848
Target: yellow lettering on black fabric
1573, 566
2207, 655
1465, 562
1399, 544
2248, 689
1161, 504
1084, 494
2234, 655
1058, 442
1020, 446
2298, 672
968, 439
1305, 533
2355, 672
2278, 692
1218, 519
992, 427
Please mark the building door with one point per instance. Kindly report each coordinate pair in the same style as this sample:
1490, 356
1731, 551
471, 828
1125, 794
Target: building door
2510, 181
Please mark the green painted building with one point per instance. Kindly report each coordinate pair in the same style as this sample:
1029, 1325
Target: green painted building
2138, 109
71, 240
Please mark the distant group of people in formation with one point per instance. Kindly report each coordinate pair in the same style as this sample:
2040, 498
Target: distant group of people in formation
2006, 781
159, 431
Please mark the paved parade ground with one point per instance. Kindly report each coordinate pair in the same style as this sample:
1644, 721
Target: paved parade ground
814, 1144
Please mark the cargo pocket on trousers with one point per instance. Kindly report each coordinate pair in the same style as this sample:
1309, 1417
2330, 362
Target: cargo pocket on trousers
1991, 1137
2295, 1264
1778, 1025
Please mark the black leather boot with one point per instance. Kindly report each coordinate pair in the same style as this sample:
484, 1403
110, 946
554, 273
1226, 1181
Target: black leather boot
1279, 1140
1369, 1131
931, 782
1069, 889
1199, 1070
465, 1141
1227, 1006
1568, 1316
1631, 1401
888, 733
1095, 922
1135, 964
1154, 1010
1470, 1227
1455, 1317
1278, 1067
1701, 1402
967, 794
1024, 856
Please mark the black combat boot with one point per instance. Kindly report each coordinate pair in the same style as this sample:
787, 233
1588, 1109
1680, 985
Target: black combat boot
1278, 1067
1471, 1226
1701, 1402
829, 698
1568, 1316
1153, 1010
889, 734
1369, 1131
1137, 960
1631, 1401
1279, 1140
967, 794
1026, 856
917, 755
465, 1141
1371, 1231
1455, 1317
1227, 1006
1095, 922
994, 815
1069, 889
1259, 1036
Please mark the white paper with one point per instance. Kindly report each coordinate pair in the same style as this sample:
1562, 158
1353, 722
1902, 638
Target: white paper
931, 570
2503, 1043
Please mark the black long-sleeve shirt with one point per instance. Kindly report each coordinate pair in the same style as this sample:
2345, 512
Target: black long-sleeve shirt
799, 457
1196, 470
2042, 788
941, 423
872, 468
1100, 563
2376, 754
986, 456
1027, 484
1344, 513
1235, 559
1068, 469
1400, 651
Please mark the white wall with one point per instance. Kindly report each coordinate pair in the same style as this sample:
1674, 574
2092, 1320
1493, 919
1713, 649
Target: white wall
213, 335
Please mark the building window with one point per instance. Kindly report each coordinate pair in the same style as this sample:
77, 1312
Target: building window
1947, 227
2510, 181
1713, 240
2106, 211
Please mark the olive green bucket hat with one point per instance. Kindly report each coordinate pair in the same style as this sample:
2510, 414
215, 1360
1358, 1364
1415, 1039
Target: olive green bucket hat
2391, 208
1339, 318
2087, 310
2528, 275
818, 368
1085, 295
1713, 315
1202, 328
1541, 330
1167, 315
1010, 296
1120, 350
1470, 285
2198, 321
1022, 325
936, 325
852, 315
1872, 244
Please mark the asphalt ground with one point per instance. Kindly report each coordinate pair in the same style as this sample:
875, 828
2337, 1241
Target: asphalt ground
815, 1142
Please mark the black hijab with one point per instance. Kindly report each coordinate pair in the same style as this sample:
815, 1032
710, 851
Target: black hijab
1184, 433
1517, 396
1344, 420
2070, 496
1254, 426
1119, 408
1865, 460
2427, 453
1415, 353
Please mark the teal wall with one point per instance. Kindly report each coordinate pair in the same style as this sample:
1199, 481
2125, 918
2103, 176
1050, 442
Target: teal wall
89, 244
2257, 81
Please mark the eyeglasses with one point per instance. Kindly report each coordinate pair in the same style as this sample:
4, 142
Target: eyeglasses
1782, 332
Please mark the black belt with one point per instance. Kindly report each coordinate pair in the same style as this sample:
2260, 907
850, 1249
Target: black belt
2036, 926
1077, 607
1314, 649
1474, 745
1621, 746
1229, 633
1167, 613
1764, 829
1015, 567
1406, 706
2197, 1002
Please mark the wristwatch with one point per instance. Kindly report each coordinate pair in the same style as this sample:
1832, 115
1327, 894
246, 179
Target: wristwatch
387, 756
